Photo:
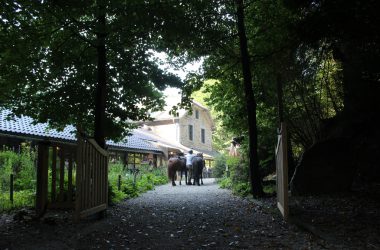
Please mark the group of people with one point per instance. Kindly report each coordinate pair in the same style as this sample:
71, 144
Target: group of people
191, 165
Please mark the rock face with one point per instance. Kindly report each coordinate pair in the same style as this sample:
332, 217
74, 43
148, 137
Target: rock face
347, 157
328, 166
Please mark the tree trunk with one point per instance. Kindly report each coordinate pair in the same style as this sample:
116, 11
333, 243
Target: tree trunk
101, 90
254, 171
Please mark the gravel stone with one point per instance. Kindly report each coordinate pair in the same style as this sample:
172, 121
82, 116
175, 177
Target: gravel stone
180, 217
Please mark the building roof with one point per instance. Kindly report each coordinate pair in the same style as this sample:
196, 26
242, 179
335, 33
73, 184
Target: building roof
165, 116
148, 135
140, 140
25, 126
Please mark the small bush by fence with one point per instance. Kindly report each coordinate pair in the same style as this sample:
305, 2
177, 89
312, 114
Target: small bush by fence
236, 178
17, 178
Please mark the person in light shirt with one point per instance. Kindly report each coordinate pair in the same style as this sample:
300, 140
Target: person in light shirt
189, 164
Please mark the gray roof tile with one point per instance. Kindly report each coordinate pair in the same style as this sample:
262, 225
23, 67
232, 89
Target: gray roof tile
24, 126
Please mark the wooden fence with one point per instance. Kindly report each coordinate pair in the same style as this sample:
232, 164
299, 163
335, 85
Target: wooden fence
91, 178
282, 172
55, 176
62, 190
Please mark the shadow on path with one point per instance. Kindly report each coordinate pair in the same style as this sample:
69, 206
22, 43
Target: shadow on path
180, 217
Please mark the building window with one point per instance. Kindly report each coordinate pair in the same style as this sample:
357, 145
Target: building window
197, 114
190, 132
203, 135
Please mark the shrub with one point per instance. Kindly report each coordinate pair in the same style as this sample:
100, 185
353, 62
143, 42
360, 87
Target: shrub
147, 178
270, 189
241, 188
238, 169
238, 181
160, 176
129, 188
220, 166
24, 198
8, 161
21, 165
225, 182
145, 183
26, 177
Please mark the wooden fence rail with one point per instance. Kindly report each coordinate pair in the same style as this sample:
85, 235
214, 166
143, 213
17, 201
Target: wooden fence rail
91, 178
85, 164
282, 172
55, 187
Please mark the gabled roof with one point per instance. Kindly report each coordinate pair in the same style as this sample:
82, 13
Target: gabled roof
164, 115
24, 126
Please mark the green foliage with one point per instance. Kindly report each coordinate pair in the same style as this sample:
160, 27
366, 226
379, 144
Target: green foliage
268, 165
145, 183
219, 166
115, 196
26, 174
238, 169
49, 59
241, 188
238, 179
225, 182
7, 162
23, 198
270, 189
146, 179
130, 189
21, 165
114, 170
232, 161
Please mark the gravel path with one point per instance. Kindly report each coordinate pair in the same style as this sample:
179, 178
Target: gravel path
181, 217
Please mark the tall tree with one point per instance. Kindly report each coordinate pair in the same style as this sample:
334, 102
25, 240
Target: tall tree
254, 167
67, 62
101, 88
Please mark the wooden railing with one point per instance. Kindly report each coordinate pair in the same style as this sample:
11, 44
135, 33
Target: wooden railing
62, 165
55, 176
91, 178
282, 172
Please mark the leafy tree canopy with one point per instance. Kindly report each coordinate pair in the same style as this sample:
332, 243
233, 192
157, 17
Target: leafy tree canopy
48, 59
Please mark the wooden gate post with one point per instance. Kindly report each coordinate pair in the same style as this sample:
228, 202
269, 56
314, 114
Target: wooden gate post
11, 189
42, 178
119, 183
282, 172
91, 178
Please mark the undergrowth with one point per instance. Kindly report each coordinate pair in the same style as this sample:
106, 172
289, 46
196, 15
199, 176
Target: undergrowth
132, 185
21, 165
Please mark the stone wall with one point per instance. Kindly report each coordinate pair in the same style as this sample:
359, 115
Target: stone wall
203, 122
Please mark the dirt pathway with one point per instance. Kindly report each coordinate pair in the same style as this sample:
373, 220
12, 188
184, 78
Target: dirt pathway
181, 217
